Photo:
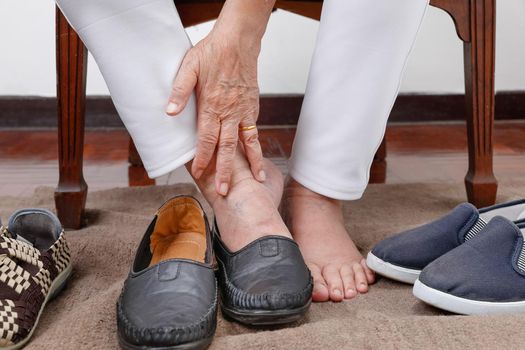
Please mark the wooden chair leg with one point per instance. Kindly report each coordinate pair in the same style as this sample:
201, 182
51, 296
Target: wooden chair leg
137, 175
479, 57
378, 171
70, 195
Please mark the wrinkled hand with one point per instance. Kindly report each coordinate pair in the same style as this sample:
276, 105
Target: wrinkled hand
224, 76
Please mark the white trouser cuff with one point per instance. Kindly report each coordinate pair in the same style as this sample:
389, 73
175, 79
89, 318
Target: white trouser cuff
172, 165
139, 46
323, 188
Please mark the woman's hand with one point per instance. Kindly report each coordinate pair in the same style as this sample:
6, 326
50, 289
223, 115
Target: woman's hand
222, 68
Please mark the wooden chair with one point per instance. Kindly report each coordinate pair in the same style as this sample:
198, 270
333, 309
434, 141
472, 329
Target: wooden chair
475, 26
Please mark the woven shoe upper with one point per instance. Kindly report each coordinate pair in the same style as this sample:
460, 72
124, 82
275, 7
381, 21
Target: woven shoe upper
28, 270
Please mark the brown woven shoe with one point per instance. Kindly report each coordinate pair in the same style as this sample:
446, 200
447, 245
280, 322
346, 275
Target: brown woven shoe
35, 264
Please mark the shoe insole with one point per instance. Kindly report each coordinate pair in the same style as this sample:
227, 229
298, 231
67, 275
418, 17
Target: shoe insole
179, 233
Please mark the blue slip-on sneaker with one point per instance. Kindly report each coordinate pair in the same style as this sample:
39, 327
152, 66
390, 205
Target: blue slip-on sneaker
403, 256
486, 275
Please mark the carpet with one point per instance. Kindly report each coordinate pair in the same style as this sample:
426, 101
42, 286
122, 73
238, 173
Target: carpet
388, 317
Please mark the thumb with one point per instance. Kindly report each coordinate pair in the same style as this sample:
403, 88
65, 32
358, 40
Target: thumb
182, 87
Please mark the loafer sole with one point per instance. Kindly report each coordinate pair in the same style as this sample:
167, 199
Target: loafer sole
465, 306
397, 273
265, 317
195, 345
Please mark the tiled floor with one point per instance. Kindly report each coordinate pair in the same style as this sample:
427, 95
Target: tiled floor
416, 153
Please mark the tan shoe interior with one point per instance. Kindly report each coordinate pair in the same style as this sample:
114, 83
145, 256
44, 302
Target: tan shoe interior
180, 232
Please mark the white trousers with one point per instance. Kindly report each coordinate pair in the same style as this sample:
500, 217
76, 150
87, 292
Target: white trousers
361, 52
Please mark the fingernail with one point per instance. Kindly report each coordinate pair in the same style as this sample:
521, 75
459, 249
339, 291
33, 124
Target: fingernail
223, 189
198, 174
337, 292
262, 175
172, 107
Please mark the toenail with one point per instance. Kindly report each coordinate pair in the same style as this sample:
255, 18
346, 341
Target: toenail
351, 291
337, 292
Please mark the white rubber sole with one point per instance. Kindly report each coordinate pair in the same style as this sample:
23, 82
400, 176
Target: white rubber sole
464, 306
391, 271
54, 289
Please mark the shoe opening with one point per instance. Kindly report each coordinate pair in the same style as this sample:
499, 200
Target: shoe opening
179, 232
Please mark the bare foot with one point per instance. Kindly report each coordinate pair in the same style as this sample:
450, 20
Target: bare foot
317, 225
250, 210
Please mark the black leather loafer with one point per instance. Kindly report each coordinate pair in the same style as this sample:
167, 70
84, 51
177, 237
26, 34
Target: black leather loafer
265, 283
169, 300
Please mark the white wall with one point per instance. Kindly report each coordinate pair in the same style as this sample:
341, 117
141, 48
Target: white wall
436, 64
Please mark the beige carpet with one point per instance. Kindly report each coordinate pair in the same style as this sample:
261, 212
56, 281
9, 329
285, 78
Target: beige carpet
388, 317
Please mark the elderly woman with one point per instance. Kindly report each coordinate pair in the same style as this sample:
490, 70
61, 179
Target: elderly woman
198, 106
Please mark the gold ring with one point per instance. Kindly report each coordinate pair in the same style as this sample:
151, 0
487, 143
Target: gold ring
247, 128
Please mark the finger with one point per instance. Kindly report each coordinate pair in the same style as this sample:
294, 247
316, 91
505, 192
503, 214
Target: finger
208, 135
320, 292
347, 275
228, 139
360, 278
370, 275
182, 86
335, 284
252, 148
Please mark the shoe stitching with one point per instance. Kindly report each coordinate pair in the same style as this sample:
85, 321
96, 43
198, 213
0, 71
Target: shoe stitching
184, 329
240, 294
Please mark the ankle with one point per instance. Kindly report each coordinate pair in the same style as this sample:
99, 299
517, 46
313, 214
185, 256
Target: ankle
294, 188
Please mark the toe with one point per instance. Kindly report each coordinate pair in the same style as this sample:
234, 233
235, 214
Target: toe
335, 283
370, 275
347, 275
320, 292
360, 278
